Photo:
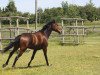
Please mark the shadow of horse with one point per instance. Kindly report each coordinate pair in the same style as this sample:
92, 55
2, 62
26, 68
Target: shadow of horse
14, 68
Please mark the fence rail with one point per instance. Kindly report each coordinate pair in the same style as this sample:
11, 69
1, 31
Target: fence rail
10, 33
76, 32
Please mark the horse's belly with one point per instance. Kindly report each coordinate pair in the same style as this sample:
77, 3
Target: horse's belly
37, 47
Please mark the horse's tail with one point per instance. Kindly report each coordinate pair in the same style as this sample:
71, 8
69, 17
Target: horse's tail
10, 45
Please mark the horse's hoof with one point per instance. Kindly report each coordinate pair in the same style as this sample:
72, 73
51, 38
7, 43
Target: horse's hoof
4, 65
49, 65
28, 66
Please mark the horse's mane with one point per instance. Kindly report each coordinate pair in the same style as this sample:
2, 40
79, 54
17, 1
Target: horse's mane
48, 24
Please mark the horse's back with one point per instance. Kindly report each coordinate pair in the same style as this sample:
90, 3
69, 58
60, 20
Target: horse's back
33, 40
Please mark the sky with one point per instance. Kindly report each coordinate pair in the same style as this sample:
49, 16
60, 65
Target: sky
29, 5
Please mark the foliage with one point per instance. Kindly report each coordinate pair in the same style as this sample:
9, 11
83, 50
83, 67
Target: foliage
82, 12
73, 11
53, 13
11, 8
65, 7
89, 12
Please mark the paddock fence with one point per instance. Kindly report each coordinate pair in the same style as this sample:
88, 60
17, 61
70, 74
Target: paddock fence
8, 34
80, 34
70, 34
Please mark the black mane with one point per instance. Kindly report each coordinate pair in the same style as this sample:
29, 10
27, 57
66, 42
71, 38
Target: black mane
48, 24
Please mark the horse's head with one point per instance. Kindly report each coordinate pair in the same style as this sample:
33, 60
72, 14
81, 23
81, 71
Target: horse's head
52, 25
55, 27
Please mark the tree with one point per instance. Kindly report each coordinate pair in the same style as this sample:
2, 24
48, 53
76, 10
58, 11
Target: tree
11, 7
97, 14
52, 13
3, 10
65, 7
82, 12
73, 11
26, 14
90, 10
0, 10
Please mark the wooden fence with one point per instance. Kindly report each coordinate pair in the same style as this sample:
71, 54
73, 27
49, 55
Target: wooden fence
8, 34
73, 34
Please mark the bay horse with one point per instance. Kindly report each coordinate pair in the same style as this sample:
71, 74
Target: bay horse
35, 41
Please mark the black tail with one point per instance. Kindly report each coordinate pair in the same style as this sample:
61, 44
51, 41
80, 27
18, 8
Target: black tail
15, 42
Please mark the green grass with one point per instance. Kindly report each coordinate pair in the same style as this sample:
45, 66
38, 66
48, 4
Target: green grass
88, 23
64, 60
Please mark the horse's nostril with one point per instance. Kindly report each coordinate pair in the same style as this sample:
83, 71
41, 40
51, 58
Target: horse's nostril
61, 32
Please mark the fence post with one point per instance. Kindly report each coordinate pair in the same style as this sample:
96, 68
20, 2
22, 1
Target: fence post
0, 37
17, 26
62, 32
83, 31
77, 31
10, 22
27, 23
36, 15
10, 27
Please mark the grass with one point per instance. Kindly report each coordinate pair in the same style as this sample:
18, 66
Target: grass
88, 23
64, 60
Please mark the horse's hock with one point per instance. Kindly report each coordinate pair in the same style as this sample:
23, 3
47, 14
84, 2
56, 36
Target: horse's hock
73, 31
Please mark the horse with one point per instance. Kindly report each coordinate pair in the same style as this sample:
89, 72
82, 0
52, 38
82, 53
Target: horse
34, 41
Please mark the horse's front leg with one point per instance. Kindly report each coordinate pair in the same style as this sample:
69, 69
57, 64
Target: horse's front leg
45, 55
34, 52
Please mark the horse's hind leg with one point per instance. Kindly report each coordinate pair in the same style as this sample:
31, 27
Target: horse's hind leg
10, 55
19, 55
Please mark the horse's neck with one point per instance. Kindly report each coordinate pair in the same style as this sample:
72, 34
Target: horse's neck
47, 33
